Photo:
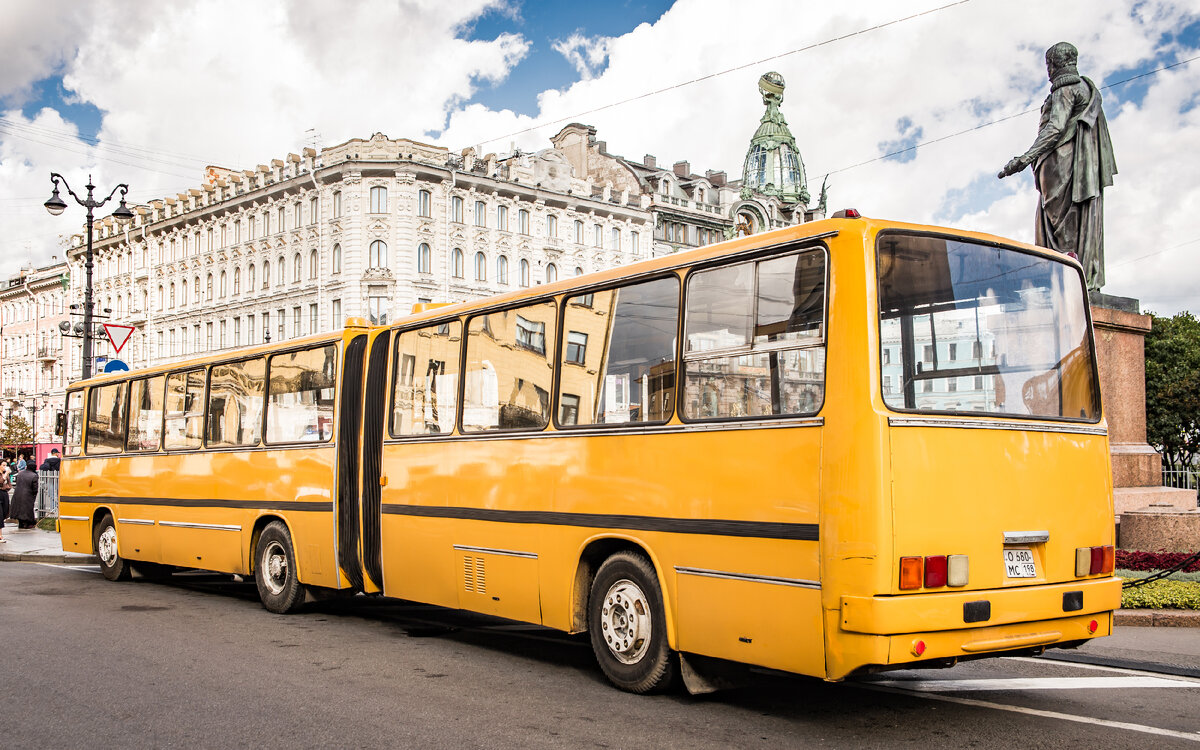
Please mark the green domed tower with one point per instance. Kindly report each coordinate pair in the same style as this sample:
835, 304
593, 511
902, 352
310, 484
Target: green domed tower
773, 166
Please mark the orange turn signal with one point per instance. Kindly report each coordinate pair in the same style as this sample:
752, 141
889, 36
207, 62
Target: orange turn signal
912, 572
1108, 559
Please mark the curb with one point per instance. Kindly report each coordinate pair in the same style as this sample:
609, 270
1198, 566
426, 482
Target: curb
60, 558
1157, 618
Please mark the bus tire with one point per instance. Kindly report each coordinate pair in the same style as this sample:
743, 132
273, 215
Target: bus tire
104, 541
275, 571
628, 627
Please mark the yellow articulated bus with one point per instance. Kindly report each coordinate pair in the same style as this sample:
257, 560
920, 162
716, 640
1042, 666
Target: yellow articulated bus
835, 448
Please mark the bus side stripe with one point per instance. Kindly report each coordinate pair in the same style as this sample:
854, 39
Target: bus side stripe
710, 526
304, 505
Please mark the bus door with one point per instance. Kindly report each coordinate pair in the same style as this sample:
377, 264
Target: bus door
348, 450
374, 412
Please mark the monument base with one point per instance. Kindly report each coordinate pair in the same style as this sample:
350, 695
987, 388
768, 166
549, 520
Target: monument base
1161, 529
1126, 499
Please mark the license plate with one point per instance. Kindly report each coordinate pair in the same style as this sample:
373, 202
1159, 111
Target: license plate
1018, 563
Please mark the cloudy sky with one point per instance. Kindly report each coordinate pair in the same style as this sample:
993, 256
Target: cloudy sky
149, 94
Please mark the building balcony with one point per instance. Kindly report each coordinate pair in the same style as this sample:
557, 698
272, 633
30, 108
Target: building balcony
46, 354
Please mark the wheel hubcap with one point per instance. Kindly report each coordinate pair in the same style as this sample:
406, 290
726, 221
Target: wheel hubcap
275, 567
625, 621
107, 546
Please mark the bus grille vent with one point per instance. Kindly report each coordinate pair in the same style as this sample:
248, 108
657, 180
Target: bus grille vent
474, 576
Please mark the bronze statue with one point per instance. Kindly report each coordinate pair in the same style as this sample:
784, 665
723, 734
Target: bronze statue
1072, 160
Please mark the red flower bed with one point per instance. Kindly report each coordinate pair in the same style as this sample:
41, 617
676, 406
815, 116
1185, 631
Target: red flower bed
1134, 560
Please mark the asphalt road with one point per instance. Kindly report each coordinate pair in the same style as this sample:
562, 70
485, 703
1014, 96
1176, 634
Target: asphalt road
198, 663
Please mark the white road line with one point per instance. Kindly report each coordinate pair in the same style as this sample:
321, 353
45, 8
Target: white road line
1034, 683
1100, 668
80, 568
1038, 712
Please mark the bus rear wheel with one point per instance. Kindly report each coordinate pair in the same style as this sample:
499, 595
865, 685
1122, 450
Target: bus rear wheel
627, 625
275, 571
104, 541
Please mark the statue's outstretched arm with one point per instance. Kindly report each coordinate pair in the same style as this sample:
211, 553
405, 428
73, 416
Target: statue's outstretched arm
1053, 123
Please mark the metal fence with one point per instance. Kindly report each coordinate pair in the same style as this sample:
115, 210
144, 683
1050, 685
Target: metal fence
1184, 479
47, 497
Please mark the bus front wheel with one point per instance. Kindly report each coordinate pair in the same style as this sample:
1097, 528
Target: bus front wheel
275, 571
104, 541
627, 625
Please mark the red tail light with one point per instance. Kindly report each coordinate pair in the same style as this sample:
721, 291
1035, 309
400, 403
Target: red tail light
935, 571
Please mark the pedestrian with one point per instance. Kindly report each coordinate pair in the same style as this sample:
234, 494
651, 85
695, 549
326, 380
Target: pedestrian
5, 486
52, 461
24, 498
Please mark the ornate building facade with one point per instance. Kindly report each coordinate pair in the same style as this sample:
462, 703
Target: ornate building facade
370, 227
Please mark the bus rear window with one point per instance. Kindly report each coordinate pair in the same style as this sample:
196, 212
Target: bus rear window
967, 327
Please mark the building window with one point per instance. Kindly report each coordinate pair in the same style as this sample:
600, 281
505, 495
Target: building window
297, 265
480, 214
598, 235
480, 267
531, 335
237, 331
377, 309
336, 315
457, 263
379, 200
337, 206
424, 203
208, 288
378, 255
501, 270
314, 209
633, 244
456, 209
615, 239
502, 218
953, 352
576, 347
578, 232
578, 270
312, 318
551, 273
266, 274
280, 220
250, 277
523, 221
160, 297
223, 326
297, 216
281, 272
524, 272
208, 337
296, 332
266, 222
312, 264
552, 226
424, 259
222, 287
237, 281
337, 258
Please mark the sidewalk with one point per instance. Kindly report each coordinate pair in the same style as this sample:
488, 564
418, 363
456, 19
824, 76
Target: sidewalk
36, 545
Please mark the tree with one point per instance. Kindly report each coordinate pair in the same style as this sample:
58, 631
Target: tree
1173, 389
16, 432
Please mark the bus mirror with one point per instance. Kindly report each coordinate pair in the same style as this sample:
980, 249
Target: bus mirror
60, 424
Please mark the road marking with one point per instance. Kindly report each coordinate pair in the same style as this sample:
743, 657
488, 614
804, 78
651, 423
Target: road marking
1035, 683
1036, 712
80, 568
1099, 667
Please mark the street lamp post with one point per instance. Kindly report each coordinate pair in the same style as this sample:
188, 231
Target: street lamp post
56, 205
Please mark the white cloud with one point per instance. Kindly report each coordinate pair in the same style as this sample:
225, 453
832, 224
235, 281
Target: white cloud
202, 84
586, 54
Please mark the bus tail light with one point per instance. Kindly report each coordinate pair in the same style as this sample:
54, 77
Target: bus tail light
911, 572
958, 570
1090, 561
935, 571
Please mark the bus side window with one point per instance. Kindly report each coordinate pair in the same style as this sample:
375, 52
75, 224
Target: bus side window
755, 339
235, 403
145, 414
510, 369
73, 440
106, 419
302, 392
425, 394
184, 410
618, 359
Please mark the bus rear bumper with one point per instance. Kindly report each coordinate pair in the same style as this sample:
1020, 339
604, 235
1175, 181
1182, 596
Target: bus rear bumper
919, 613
